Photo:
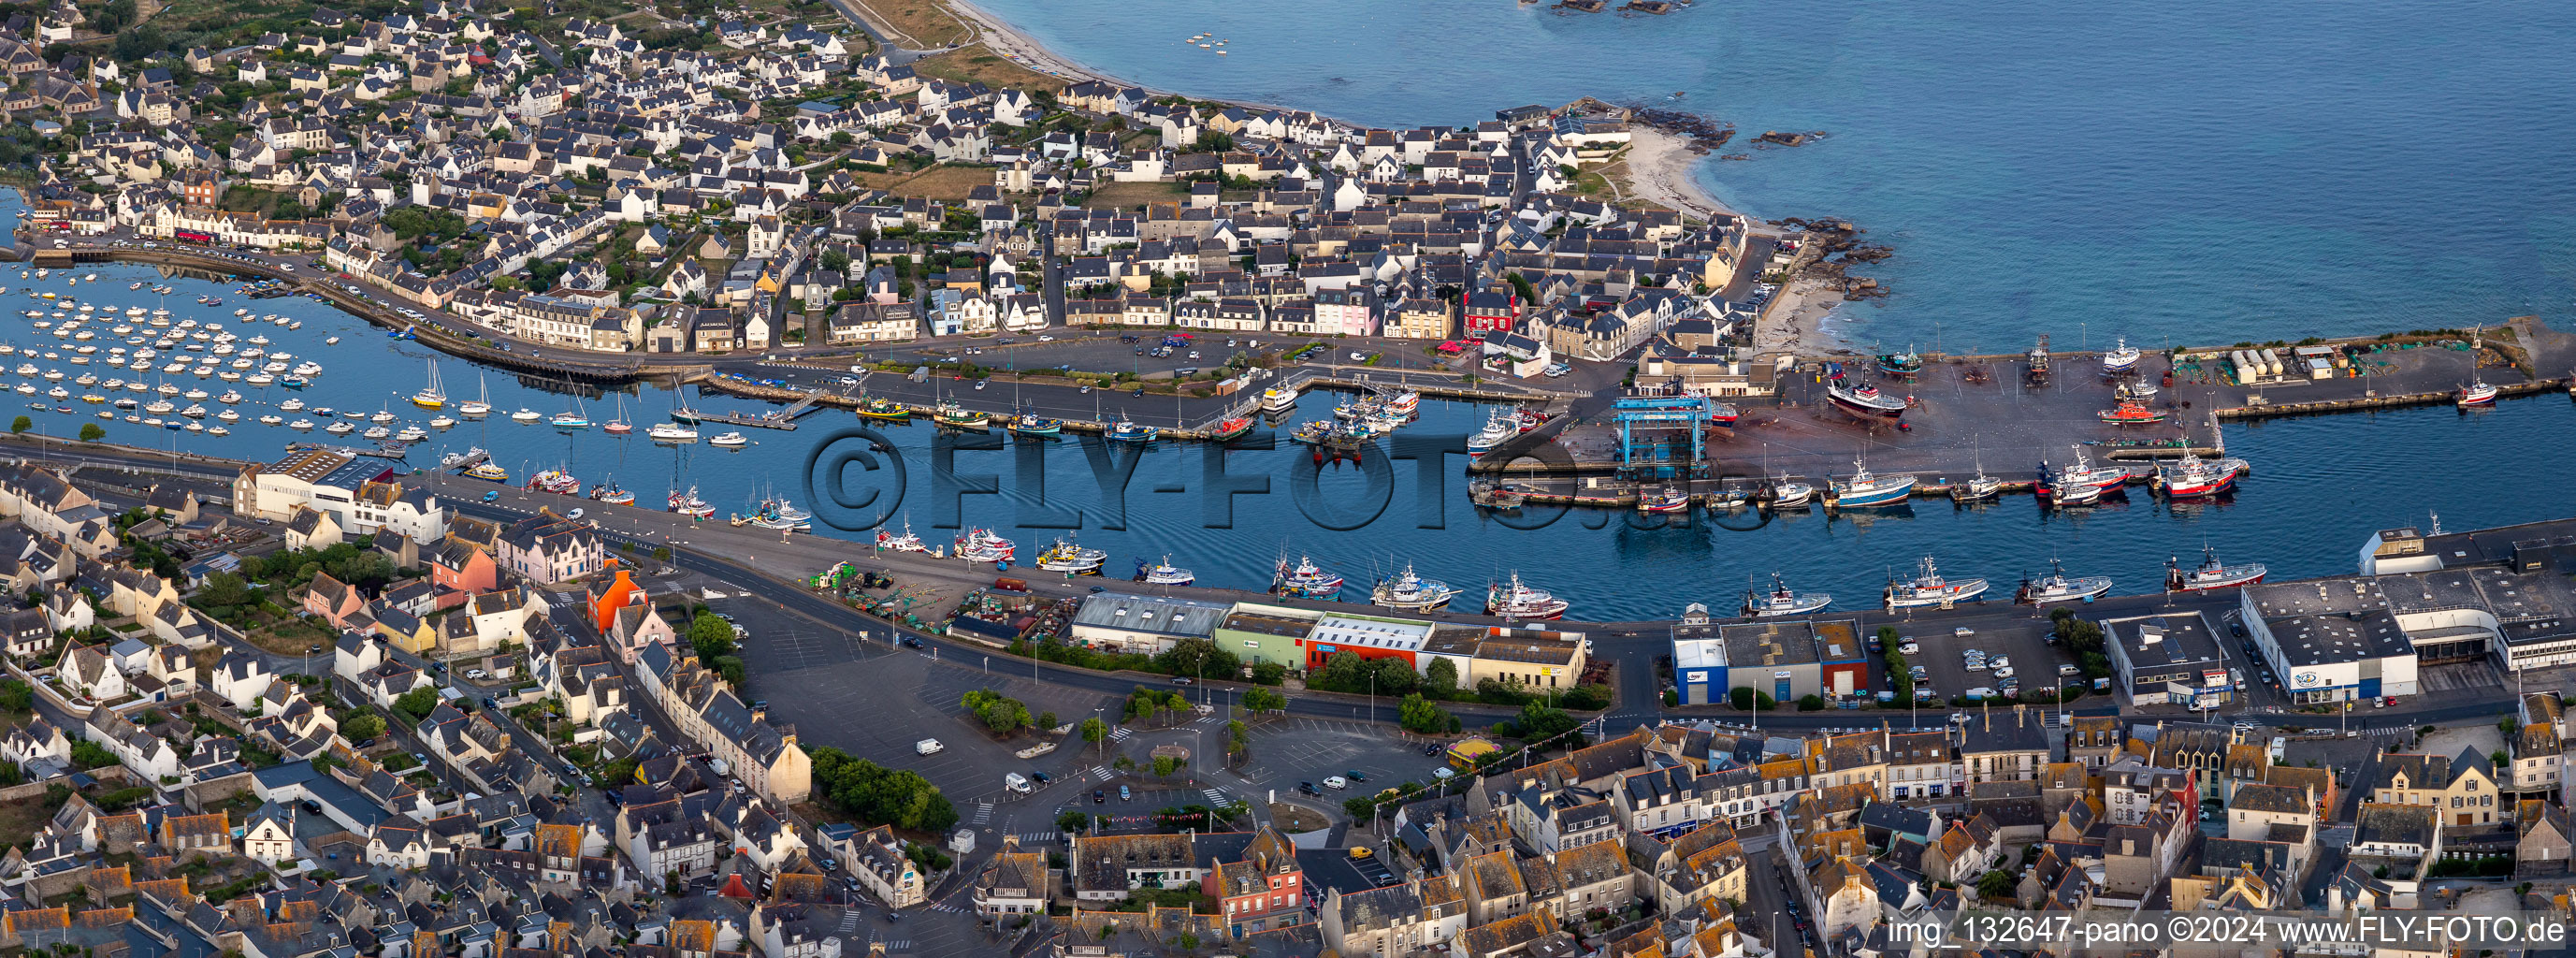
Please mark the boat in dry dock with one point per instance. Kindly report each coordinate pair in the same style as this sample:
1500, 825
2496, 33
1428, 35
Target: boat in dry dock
1865, 401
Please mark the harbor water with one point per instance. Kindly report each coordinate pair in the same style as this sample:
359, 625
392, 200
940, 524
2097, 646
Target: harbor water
2177, 173
2320, 485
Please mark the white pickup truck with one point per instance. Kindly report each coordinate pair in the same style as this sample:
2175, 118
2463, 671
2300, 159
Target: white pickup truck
928, 746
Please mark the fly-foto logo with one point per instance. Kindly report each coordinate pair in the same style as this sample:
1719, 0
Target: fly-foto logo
856, 479
859, 481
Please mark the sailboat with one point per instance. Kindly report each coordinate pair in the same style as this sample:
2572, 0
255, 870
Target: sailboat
432, 396
574, 418
619, 426
481, 404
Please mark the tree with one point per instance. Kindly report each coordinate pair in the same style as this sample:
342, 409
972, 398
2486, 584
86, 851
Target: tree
16, 696
362, 726
1343, 671
1258, 700
1046, 720
88, 755
22, 425
418, 703
1238, 739
90, 432
1000, 713
1094, 730
1440, 678
1165, 765
1196, 656
224, 590
1746, 699
710, 636
877, 795
1417, 714
1538, 721
1998, 885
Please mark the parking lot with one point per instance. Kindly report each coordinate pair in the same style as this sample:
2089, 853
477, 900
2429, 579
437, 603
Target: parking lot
1942, 654
1287, 751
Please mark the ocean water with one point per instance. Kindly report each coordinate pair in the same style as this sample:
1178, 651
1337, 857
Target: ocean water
2185, 172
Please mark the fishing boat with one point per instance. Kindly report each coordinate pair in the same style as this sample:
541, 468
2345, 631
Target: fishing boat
556, 481
1032, 425
1928, 589
1978, 487
1067, 556
983, 545
1864, 489
1279, 399
2057, 586
1412, 593
1721, 414
2211, 574
1127, 431
1229, 429
1786, 494
1405, 403
2192, 477
672, 432
1662, 501
1496, 495
2072, 495
1360, 408
1865, 401
2476, 393
2135, 391
481, 470
1906, 363
1780, 600
612, 494
1512, 599
955, 416
883, 408
2082, 473
729, 440
907, 542
2130, 412
688, 504
2121, 358
431, 396
1305, 580
1499, 428
481, 404
1163, 573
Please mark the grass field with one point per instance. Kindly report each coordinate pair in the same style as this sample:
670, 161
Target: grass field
938, 182
926, 22
977, 62
1132, 195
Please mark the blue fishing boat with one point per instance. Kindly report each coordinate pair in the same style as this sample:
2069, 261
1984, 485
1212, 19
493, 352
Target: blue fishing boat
1864, 490
1126, 431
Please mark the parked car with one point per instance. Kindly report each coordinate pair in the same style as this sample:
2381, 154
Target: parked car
1099, 797
1336, 782
1355, 775
1122, 793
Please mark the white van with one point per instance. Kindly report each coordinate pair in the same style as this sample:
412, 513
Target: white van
928, 746
1015, 782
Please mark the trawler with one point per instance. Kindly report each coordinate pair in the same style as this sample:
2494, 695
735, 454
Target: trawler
1780, 600
2057, 586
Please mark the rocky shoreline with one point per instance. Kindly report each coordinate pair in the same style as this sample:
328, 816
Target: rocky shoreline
1837, 246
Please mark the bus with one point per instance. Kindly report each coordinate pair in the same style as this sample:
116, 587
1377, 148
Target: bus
192, 236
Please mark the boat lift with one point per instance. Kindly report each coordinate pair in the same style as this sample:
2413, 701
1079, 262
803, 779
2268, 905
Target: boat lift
1653, 455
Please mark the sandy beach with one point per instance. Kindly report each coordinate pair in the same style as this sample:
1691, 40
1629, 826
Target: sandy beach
1659, 172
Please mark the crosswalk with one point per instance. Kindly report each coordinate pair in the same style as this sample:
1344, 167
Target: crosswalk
1120, 735
1035, 838
946, 907
1212, 718
1100, 771
1215, 796
983, 812
849, 921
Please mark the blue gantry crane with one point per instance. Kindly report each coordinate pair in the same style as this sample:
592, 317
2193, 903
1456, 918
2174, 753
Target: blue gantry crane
1648, 445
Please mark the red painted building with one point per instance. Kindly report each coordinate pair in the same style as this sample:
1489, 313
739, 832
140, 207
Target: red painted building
1492, 310
1264, 891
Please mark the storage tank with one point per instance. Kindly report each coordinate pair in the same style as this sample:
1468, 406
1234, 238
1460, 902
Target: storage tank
2272, 361
2245, 370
